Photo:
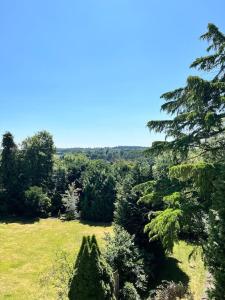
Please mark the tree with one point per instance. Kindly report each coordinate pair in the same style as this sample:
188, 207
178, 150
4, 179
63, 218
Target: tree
215, 247
37, 203
197, 127
38, 152
70, 201
198, 107
98, 194
93, 278
133, 216
60, 184
75, 165
123, 256
9, 171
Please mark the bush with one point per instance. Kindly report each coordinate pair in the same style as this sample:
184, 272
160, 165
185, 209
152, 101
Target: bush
129, 292
37, 203
58, 277
70, 201
170, 290
123, 256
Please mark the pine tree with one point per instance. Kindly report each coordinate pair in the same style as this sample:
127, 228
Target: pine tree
93, 278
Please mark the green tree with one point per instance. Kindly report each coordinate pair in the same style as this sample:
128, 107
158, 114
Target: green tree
93, 278
37, 203
10, 172
215, 247
198, 107
196, 131
98, 195
70, 201
38, 152
75, 165
124, 257
133, 216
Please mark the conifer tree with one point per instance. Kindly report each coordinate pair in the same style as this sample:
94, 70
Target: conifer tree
84, 241
93, 278
197, 109
9, 169
215, 248
197, 125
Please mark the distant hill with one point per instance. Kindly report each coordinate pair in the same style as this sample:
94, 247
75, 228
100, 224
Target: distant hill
107, 153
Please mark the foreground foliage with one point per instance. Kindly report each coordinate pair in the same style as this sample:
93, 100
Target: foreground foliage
92, 278
124, 257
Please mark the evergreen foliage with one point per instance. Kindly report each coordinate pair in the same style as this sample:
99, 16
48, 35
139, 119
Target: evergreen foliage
37, 203
165, 226
38, 152
198, 107
129, 292
196, 126
92, 278
133, 217
98, 195
70, 201
10, 172
124, 256
215, 247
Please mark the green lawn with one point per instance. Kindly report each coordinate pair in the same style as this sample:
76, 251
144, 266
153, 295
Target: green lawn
191, 271
27, 251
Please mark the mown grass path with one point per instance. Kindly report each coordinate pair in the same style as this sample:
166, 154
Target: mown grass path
27, 250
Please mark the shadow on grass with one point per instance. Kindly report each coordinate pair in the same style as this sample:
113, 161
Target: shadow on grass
171, 271
95, 223
18, 220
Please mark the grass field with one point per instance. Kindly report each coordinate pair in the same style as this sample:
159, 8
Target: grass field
191, 271
27, 251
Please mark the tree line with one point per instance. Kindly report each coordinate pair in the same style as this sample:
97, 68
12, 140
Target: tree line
36, 182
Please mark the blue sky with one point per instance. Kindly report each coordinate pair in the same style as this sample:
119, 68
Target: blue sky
92, 71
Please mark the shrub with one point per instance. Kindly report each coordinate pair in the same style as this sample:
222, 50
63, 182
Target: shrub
70, 201
58, 276
37, 203
123, 256
170, 290
129, 292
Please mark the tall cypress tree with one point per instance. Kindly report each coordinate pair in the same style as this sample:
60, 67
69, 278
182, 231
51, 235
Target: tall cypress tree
9, 169
93, 278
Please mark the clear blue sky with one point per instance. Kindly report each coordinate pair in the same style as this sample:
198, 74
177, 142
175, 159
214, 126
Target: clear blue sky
92, 71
